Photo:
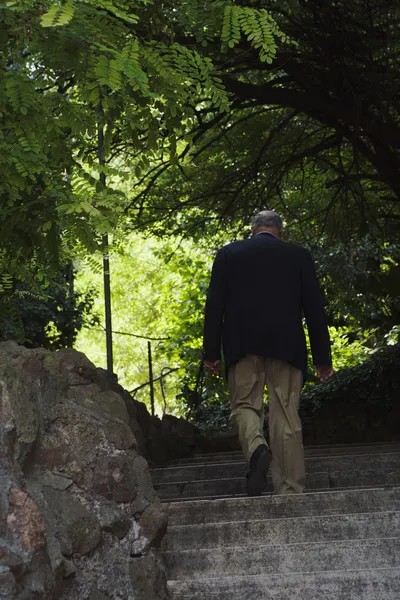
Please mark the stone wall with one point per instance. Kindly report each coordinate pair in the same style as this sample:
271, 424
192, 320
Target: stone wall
79, 518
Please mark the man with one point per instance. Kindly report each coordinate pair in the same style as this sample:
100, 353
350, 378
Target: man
259, 290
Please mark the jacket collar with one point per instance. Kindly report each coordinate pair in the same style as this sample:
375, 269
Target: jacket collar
267, 233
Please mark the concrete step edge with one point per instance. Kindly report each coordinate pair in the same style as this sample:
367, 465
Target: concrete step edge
269, 559
225, 479
241, 461
178, 499
286, 519
375, 447
319, 446
245, 578
191, 502
338, 543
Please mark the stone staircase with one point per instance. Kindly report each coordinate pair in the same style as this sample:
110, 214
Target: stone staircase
338, 541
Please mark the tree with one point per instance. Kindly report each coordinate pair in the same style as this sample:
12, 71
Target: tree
315, 131
118, 73
184, 117
118, 88
158, 295
50, 319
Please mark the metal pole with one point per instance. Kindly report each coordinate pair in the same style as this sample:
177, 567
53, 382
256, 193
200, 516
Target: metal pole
106, 256
107, 304
151, 378
71, 296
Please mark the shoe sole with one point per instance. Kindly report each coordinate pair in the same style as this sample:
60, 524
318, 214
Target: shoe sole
257, 480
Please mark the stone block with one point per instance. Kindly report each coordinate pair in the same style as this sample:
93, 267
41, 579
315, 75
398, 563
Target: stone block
79, 527
120, 435
113, 520
148, 578
153, 522
111, 404
114, 477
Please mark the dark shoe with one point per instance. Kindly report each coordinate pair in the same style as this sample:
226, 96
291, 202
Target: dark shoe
259, 465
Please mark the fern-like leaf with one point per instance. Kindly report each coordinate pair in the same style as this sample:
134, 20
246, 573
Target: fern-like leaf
257, 25
130, 66
59, 14
108, 72
231, 26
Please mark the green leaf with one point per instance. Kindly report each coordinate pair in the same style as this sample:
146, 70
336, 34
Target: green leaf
59, 14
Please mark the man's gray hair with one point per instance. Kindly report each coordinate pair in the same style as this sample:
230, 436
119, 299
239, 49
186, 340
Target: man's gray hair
267, 218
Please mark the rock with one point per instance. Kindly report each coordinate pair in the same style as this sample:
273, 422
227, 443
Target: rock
83, 394
146, 493
18, 407
111, 403
115, 478
112, 520
8, 586
158, 440
79, 528
24, 558
55, 481
148, 578
69, 568
153, 522
73, 361
96, 595
57, 560
140, 546
168, 439
73, 486
25, 520
120, 435
54, 452
84, 433
9, 559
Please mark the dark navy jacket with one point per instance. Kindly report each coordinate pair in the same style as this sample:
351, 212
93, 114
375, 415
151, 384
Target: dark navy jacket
260, 289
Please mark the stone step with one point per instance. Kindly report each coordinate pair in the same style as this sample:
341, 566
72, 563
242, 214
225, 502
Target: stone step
265, 494
253, 532
334, 450
237, 469
317, 480
335, 502
308, 557
375, 584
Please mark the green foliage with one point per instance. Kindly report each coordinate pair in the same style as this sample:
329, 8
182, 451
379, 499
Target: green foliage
118, 70
152, 287
212, 418
374, 381
362, 282
258, 26
50, 318
351, 345
283, 143
158, 292
365, 396
59, 14
183, 118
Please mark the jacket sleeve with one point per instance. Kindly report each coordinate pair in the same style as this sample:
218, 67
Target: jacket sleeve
314, 312
214, 310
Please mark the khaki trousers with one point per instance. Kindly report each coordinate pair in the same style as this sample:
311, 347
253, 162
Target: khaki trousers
247, 380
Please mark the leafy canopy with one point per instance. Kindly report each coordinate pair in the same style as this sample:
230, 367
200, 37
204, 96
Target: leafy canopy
70, 71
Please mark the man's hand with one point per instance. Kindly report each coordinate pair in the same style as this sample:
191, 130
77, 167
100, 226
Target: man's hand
323, 373
213, 365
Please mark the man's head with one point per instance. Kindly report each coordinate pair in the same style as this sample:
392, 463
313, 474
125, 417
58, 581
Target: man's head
267, 220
